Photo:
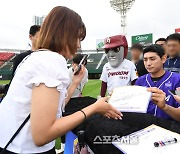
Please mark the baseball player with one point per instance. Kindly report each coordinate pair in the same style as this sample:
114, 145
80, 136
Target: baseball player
118, 71
160, 83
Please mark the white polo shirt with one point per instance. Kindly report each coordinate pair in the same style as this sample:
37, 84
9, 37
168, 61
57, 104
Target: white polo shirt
45, 67
122, 75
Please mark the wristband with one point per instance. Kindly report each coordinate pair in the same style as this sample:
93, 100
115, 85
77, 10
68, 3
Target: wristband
84, 114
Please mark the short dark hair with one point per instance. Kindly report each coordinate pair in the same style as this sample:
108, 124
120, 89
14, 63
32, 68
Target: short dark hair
174, 37
137, 47
155, 48
160, 39
77, 58
34, 29
60, 31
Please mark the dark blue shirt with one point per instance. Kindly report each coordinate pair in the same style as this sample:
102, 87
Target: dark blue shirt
172, 64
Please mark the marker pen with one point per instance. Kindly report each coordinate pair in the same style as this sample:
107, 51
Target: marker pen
165, 142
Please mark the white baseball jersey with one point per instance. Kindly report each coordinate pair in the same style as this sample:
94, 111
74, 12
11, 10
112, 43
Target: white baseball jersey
122, 75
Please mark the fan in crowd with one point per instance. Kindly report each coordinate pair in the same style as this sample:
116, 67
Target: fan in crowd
173, 51
162, 42
136, 58
33, 36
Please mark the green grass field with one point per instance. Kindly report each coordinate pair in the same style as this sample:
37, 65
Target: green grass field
92, 89
4, 81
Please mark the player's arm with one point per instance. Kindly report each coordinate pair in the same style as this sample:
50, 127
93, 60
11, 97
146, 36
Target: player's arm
173, 112
158, 97
103, 88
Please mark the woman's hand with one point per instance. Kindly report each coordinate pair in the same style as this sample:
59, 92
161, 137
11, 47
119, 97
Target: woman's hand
76, 79
106, 109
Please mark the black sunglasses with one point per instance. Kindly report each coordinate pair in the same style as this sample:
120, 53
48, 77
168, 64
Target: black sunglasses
114, 49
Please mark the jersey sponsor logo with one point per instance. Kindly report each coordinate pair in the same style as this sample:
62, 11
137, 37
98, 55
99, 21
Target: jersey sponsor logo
168, 98
168, 84
118, 73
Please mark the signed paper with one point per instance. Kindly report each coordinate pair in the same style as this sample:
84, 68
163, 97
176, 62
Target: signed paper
146, 138
130, 99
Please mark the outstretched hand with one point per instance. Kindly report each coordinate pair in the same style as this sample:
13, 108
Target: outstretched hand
106, 109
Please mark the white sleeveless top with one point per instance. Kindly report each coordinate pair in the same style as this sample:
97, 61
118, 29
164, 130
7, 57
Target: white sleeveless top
45, 67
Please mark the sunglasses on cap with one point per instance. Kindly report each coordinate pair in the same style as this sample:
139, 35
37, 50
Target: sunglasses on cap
114, 49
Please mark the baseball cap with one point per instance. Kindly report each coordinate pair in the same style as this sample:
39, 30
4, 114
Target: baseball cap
116, 41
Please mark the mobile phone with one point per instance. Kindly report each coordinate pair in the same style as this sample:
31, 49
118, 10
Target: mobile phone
82, 62
172, 92
177, 92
